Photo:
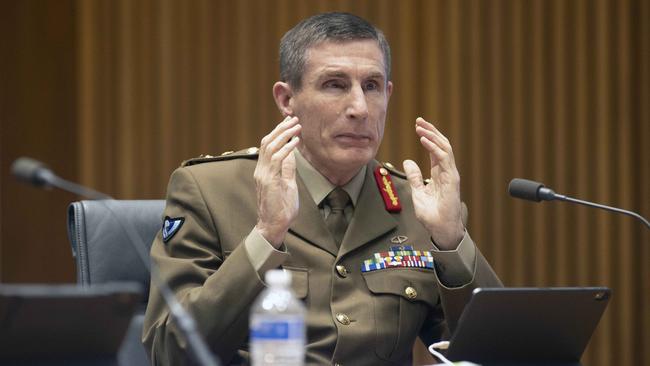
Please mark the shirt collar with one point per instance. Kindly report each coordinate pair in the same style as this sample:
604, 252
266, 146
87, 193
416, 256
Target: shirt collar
319, 187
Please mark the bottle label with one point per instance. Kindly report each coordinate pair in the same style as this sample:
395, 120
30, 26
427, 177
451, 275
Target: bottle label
277, 329
277, 341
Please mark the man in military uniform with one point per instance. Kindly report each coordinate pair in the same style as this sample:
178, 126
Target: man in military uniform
378, 257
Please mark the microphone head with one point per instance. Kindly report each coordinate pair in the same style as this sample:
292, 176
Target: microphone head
525, 189
31, 171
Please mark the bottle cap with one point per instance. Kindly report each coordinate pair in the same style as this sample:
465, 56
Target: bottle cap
278, 277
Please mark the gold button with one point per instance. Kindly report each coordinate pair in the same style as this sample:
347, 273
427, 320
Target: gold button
383, 171
427, 181
251, 150
343, 319
343, 272
227, 153
410, 292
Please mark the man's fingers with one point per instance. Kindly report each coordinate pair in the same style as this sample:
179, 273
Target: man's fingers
271, 135
428, 130
437, 138
282, 139
420, 122
437, 154
286, 124
275, 147
286, 150
413, 174
436, 143
289, 163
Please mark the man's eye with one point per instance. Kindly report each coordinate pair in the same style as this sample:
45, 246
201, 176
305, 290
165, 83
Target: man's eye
334, 84
372, 85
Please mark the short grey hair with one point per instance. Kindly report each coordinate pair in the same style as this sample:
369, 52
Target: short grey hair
324, 27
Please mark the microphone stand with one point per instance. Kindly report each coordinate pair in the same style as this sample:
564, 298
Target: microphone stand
561, 197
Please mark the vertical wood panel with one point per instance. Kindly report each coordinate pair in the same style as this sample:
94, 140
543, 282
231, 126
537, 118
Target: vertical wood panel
495, 115
555, 91
640, 164
603, 156
559, 134
518, 240
539, 129
623, 172
582, 119
474, 171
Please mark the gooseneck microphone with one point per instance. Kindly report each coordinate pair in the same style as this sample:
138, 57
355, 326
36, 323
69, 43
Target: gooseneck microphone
38, 174
535, 191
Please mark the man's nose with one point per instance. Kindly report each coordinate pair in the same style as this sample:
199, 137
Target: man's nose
357, 107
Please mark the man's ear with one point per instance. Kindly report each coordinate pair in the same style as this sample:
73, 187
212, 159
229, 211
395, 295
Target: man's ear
283, 94
389, 90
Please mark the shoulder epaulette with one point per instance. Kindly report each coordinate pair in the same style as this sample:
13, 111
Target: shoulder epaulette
250, 153
387, 189
391, 168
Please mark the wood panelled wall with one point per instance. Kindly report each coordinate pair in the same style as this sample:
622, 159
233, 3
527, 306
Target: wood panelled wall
557, 91
38, 118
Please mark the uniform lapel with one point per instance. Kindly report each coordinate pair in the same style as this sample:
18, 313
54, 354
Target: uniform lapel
370, 219
309, 225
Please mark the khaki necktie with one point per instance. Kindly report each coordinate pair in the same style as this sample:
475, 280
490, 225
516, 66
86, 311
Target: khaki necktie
337, 200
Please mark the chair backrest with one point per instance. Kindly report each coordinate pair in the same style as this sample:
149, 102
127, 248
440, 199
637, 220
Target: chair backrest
102, 250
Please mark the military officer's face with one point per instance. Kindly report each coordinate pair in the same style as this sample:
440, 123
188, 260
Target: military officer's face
342, 104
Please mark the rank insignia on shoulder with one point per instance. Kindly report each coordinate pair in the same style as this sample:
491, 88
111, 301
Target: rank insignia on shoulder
171, 227
250, 153
387, 190
399, 256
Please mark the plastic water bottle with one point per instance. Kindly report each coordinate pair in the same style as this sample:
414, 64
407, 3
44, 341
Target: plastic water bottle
277, 324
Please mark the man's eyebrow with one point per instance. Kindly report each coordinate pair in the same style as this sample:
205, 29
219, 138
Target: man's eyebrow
334, 74
376, 75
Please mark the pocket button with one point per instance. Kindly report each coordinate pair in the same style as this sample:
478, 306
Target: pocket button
343, 319
410, 292
342, 271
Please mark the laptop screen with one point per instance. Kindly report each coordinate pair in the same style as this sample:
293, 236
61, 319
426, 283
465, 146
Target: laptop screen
528, 325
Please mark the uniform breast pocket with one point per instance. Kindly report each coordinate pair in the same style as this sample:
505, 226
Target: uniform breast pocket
299, 281
402, 297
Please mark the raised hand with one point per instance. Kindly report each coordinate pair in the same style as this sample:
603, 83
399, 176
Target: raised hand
275, 180
437, 204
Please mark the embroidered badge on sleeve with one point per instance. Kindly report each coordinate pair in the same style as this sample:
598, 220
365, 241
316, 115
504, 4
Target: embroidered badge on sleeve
171, 227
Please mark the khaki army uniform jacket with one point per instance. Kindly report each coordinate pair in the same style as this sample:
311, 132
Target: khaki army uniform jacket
354, 317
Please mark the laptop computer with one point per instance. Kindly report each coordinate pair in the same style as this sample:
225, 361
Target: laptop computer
528, 326
68, 323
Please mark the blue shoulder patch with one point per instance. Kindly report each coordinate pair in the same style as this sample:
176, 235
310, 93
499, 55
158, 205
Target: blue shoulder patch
171, 227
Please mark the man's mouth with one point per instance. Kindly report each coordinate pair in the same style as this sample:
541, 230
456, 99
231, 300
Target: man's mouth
353, 138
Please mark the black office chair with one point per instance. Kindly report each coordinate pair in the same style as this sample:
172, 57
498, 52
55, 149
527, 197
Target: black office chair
103, 253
